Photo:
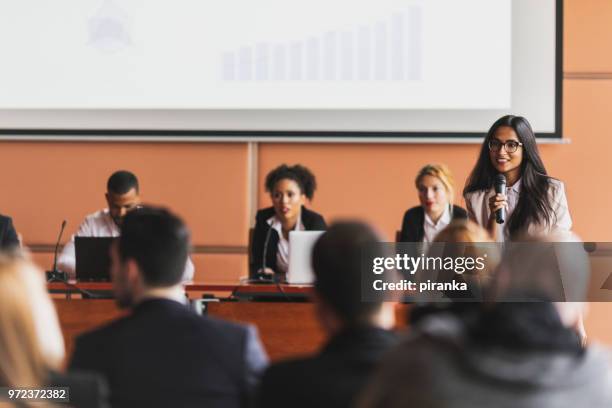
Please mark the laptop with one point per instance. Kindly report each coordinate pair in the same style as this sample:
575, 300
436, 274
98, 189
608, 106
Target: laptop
93, 258
300, 250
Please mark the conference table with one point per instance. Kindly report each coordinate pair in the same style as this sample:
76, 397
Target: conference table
283, 314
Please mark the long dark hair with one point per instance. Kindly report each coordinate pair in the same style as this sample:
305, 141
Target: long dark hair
533, 206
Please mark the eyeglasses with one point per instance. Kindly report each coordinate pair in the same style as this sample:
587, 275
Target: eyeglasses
511, 146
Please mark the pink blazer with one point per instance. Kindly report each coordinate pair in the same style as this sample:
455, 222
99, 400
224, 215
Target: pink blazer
478, 210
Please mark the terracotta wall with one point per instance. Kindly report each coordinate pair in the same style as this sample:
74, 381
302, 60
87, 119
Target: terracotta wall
205, 183
43, 183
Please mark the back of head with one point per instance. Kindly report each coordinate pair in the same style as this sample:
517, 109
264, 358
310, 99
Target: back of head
465, 238
533, 275
463, 231
336, 260
30, 338
543, 268
122, 181
158, 241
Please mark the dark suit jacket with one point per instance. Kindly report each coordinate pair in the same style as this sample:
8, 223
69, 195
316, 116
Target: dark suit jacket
333, 378
310, 219
8, 235
165, 355
86, 390
414, 219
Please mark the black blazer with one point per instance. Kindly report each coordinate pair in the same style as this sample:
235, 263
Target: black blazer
165, 355
330, 379
8, 235
310, 219
87, 390
414, 219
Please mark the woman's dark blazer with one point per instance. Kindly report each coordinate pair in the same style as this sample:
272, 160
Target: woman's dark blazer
414, 219
8, 235
311, 220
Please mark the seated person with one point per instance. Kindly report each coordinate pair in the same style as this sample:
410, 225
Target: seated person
122, 195
358, 332
8, 235
163, 354
289, 187
478, 243
436, 188
31, 343
522, 351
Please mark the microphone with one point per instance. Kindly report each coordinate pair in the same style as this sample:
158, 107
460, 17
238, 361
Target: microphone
59, 238
62, 277
500, 188
261, 277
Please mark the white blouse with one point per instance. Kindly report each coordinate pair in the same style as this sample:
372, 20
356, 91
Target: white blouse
282, 255
431, 229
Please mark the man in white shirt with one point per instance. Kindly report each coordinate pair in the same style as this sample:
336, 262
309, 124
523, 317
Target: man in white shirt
122, 195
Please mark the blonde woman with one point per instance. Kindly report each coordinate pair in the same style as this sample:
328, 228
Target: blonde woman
31, 342
436, 189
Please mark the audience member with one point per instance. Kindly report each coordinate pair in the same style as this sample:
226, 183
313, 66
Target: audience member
163, 354
31, 343
358, 331
8, 236
521, 352
461, 238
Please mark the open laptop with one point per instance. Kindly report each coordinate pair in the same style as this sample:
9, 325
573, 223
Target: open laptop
300, 250
93, 258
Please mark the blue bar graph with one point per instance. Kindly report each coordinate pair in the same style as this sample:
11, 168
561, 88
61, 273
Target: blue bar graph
364, 60
390, 49
262, 61
330, 50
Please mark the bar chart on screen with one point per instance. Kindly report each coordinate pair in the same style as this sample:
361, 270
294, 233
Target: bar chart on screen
387, 50
268, 54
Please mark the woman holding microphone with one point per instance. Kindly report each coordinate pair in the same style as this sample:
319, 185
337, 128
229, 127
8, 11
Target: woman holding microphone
534, 202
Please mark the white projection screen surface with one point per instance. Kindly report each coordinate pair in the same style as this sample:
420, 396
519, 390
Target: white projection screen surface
278, 68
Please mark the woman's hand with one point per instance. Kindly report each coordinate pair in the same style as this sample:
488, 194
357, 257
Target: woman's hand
497, 202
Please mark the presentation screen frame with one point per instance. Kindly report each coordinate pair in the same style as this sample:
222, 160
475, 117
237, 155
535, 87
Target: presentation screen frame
212, 135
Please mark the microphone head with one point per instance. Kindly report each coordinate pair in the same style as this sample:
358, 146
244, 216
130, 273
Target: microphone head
500, 184
500, 179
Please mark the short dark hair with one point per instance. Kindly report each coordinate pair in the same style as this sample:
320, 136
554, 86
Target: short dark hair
159, 243
298, 173
122, 181
336, 260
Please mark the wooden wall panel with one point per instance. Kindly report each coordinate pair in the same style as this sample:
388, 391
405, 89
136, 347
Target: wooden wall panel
370, 182
206, 183
584, 165
587, 36
220, 268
